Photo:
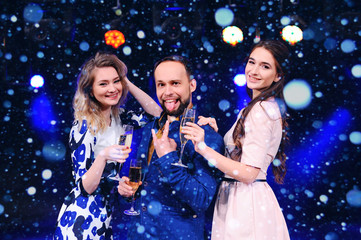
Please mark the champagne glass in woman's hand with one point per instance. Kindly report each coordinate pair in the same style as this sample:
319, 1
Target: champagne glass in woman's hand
135, 172
124, 140
188, 116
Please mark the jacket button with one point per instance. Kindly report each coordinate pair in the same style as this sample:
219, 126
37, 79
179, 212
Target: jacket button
144, 209
145, 184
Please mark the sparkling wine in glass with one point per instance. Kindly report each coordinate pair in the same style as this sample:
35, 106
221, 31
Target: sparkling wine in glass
125, 139
135, 173
189, 116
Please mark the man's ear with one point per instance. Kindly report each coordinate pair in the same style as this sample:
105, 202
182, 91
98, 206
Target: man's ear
193, 85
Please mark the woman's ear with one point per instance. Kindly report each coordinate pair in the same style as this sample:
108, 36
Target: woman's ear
278, 77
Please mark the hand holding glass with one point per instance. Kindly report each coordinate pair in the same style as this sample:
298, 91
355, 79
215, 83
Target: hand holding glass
135, 173
189, 116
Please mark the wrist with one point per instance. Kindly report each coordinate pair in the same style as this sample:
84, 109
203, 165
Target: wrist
101, 158
201, 147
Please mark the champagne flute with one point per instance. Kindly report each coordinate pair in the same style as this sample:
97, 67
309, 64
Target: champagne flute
125, 139
189, 116
135, 172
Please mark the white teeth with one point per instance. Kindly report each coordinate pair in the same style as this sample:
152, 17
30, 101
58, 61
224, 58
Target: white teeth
169, 100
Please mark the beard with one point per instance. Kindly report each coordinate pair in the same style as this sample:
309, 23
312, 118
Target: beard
179, 111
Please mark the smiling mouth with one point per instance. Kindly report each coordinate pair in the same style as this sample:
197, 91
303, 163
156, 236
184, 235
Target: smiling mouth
253, 79
113, 96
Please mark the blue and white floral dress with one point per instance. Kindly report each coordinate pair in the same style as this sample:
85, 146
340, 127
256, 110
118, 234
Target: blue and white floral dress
83, 215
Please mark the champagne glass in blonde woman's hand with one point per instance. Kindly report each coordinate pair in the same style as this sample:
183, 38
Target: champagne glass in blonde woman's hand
135, 173
189, 116
125, 139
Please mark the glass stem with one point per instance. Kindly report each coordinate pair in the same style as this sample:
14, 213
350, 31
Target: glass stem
132, 206
181, 154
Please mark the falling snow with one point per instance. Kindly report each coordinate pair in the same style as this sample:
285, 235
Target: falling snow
321, 197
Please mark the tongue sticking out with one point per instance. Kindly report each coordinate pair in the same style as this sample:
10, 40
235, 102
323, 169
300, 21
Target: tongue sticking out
170, 105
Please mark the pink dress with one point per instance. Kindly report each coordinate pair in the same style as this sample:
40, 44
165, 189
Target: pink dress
251, 211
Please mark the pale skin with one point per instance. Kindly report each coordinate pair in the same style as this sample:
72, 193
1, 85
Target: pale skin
260, 73
148, 104
107, 89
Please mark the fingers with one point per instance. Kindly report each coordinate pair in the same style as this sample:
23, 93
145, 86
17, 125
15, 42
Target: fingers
166, 130
118, 153
154, 135
124, 189
193, 132
204, 121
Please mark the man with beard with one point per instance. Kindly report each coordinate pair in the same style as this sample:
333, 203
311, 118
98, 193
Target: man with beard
172, 200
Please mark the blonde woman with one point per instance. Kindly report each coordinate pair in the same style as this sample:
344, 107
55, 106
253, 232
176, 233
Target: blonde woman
98, 119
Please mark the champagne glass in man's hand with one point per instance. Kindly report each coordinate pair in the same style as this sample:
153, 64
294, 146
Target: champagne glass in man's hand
189, 116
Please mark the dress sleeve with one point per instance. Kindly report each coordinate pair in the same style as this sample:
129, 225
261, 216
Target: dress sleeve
138, 118
259, 126
81, 143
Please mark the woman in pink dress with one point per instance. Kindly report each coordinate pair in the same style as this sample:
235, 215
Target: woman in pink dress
246, 207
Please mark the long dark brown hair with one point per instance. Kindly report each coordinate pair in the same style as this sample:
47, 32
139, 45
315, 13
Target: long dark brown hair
280, 53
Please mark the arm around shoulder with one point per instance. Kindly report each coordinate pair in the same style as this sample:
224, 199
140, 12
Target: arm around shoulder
147, 103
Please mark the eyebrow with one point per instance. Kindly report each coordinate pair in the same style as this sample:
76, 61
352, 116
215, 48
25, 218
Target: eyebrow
102, 80
267, 63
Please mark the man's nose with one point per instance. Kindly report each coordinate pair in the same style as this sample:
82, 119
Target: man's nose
168, 90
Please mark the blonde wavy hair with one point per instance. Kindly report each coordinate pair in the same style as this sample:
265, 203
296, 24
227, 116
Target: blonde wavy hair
85, 105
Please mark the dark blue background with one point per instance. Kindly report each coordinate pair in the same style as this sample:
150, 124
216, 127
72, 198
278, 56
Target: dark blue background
322, 160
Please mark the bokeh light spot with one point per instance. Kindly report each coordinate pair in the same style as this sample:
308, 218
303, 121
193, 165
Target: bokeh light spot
84, 46
355, 137
31, 190
140, 229
224, 17
356, 71
40, 54
224, 105
140, 34
297, 94
1, 209
154, 208
54, 151
46, 174
127, 50
348, 46
10, 92
353, 198
285, 20
318, 94
37, 81
23, 58
323, 198
232, 35
59, 76
240, 80
33, 13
